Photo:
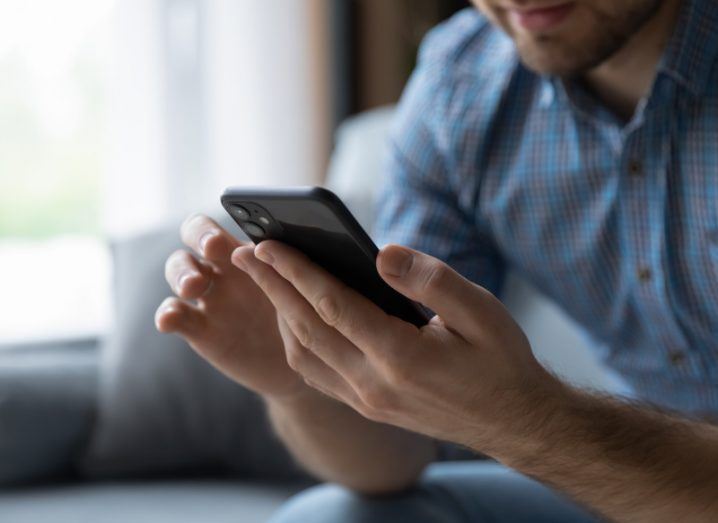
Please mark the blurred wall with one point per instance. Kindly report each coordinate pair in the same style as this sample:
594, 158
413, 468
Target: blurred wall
269, 95
211, 93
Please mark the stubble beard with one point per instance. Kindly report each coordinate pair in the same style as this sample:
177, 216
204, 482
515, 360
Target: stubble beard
548, 54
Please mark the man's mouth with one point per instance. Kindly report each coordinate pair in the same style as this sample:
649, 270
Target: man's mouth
540, 18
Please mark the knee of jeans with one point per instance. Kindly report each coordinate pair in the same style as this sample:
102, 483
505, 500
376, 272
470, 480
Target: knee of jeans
332, 503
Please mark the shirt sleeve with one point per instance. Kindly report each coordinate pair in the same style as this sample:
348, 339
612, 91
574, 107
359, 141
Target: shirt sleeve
418, 205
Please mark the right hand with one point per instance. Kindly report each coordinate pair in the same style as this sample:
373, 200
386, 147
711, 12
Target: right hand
223, 314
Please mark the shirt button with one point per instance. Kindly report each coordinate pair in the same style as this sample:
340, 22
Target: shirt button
644, 274
677, 358
635, 167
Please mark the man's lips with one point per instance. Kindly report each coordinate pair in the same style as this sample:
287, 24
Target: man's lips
542, 18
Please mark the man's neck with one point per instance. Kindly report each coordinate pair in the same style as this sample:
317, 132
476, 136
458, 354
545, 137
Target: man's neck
627, 76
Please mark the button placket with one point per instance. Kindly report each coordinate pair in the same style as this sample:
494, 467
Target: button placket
646, 247
652, 277
638, 194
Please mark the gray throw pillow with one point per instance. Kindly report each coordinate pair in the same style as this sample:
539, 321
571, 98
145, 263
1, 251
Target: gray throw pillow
162, 408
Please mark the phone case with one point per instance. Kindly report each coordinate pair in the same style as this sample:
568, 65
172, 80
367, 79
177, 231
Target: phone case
315, 221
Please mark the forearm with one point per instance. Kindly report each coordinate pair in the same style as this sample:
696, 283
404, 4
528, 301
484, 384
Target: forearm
458, 378
336, 444
628, 462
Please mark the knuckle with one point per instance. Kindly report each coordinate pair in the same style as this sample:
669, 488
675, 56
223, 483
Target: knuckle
386, 359
296, 356
329, 310
301, 332
435, 276
289, 271
399, 374
242, 257
376, 398
369, 413
259, 274
397, 345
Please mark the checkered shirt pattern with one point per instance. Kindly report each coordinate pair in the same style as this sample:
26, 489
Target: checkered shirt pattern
493, 166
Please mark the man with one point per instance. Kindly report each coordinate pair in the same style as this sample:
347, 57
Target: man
575, 141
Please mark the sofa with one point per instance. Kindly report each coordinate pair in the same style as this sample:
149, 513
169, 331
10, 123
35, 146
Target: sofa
135, 427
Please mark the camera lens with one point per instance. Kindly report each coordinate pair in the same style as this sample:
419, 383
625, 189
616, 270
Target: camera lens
240, 212
253, 229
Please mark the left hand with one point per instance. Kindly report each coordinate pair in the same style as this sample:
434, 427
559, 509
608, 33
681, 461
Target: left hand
462, 377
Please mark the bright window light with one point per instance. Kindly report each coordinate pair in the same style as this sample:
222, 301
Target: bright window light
53, 263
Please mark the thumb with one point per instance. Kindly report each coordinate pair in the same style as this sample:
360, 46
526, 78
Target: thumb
460, 303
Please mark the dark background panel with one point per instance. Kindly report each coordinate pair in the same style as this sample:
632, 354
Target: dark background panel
375, 44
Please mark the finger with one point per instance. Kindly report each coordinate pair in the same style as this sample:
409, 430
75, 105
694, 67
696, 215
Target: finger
315, 372
187, 277
202, 234
459, 302
329, 345
340, 306
176, 316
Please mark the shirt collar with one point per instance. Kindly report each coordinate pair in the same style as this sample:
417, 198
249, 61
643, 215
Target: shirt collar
691, 51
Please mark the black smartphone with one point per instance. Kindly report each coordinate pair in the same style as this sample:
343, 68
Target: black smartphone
316, 222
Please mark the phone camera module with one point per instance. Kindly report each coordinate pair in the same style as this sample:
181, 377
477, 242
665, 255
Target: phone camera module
253, 229
240, 212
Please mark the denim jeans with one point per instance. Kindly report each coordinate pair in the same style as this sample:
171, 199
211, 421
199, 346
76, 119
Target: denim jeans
453, 492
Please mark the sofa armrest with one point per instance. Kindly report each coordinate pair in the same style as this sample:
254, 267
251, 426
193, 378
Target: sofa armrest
47, 405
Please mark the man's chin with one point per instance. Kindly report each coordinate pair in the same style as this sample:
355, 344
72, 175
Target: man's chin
550, 67
557, 61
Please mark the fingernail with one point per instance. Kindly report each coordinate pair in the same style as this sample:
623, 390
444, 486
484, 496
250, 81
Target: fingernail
263, 255
205, 238
182, 281
164, 310
396, 262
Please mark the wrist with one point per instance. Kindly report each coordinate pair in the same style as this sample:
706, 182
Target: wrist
301, 398
525, 422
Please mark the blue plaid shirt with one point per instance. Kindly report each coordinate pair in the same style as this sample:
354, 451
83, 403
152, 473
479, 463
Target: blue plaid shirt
493, 166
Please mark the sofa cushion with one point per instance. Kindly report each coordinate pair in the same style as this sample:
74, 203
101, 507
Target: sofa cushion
162, 408
47, 404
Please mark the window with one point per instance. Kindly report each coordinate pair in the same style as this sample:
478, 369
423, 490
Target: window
53, 262
120, 116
